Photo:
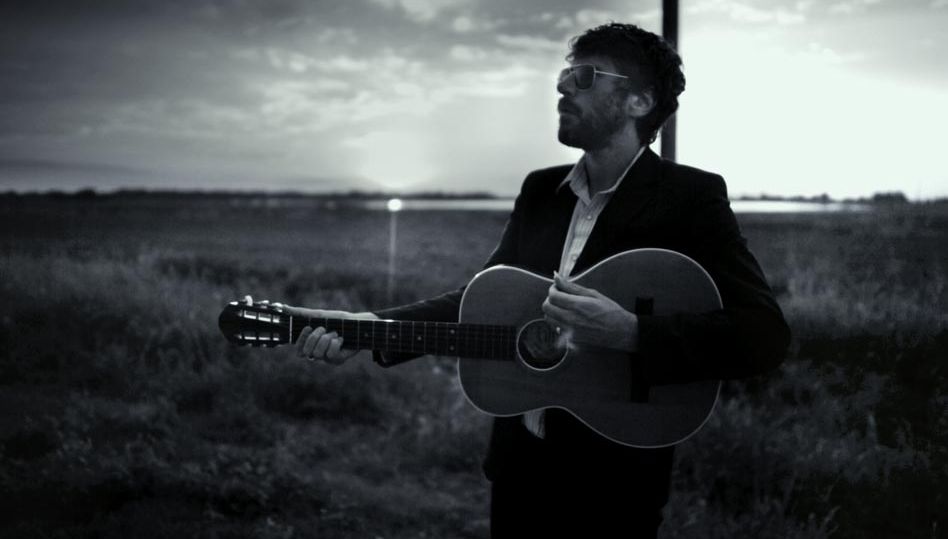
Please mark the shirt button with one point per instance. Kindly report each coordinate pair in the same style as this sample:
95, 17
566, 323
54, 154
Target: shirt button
573, 257
589, 216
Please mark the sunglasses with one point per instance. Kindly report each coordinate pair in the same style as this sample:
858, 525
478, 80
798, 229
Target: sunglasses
585, 75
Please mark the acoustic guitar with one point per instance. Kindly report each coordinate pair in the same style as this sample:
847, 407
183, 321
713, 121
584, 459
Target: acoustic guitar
510, 360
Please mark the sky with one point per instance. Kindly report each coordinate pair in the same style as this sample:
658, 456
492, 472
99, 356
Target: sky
785, 97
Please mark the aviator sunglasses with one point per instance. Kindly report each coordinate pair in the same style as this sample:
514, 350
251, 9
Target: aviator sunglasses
585, 75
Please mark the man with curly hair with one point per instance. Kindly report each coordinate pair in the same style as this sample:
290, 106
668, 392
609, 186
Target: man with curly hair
550, 474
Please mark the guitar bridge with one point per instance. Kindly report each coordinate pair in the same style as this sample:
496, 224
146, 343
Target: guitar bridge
644, 306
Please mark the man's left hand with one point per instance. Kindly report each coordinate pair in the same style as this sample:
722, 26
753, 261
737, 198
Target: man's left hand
588, 317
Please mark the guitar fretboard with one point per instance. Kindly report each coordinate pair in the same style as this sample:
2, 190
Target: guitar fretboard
438, 338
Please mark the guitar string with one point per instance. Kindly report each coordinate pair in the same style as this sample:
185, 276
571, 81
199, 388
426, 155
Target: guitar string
482, 330
469, 336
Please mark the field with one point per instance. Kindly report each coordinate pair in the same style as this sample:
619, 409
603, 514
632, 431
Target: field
124, 413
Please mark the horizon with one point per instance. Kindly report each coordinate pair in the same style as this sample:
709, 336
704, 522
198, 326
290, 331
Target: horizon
87, 192
785, 97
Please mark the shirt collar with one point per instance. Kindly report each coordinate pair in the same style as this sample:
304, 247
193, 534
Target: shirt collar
579, 182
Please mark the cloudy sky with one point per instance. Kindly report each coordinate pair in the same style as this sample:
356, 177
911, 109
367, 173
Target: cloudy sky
846, 97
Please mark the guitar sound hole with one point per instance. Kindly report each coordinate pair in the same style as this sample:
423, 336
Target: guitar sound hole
540, 346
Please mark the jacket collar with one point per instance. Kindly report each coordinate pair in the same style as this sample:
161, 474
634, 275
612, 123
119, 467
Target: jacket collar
638, 190
644, 170
578, 180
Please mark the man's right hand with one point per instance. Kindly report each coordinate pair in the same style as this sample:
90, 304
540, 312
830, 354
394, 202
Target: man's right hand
317, 343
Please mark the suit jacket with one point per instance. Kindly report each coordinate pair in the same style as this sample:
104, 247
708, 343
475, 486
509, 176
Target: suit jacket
659, 204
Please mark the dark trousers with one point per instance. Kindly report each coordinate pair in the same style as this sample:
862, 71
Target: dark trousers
551, 494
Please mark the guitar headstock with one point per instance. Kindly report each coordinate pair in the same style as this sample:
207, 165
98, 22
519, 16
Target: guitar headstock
257, 324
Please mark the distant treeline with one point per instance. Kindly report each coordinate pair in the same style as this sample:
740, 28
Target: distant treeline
887, 197
223, 194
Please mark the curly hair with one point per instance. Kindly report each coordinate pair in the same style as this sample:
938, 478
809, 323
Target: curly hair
650, 62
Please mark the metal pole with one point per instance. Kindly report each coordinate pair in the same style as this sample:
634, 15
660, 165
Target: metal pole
670, 33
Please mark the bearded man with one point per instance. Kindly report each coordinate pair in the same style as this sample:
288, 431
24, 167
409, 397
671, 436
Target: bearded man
551, 474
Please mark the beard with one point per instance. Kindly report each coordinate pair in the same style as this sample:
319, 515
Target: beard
590, 130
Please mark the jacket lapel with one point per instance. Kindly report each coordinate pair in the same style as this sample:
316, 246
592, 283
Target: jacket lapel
636, 192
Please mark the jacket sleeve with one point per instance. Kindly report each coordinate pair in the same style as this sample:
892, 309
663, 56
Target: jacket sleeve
748, 336
446, 307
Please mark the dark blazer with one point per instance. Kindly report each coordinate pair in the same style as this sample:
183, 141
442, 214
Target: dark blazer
658, 204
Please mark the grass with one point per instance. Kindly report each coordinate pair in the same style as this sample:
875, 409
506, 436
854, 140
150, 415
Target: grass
124, 413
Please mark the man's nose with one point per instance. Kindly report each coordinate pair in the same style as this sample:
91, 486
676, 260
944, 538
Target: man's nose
567, 86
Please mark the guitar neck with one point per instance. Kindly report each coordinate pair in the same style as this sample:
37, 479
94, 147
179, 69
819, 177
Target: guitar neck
437, 338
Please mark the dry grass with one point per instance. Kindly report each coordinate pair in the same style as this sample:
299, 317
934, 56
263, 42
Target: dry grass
125, 413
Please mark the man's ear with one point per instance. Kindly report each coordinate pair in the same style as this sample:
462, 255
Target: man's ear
640, 103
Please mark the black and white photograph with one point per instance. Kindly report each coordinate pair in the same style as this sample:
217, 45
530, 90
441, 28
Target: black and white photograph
425, 269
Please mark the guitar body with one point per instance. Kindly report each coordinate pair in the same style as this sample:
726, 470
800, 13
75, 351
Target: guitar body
596, 385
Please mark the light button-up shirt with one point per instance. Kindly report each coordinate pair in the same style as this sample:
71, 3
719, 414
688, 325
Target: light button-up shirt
585, 214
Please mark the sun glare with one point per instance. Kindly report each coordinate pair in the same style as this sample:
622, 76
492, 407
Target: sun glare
394, 160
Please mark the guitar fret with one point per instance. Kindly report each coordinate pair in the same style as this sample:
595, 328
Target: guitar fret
480, 343
386, 329
443, 338
469, 344
417, 337
466, 346
471, 341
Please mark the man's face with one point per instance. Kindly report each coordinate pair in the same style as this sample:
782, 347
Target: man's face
590, 118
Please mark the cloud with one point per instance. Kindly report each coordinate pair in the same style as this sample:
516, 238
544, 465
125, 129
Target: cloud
420, 10
464, 53
41, 174
849, 7
466, 24
741, 11
391, 86
531, 43
282, 59
19, 165
587, 18
573, 22
184, 119
337, 35
209, 90
498, 82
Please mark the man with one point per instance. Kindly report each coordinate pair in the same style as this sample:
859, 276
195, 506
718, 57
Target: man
550, 474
